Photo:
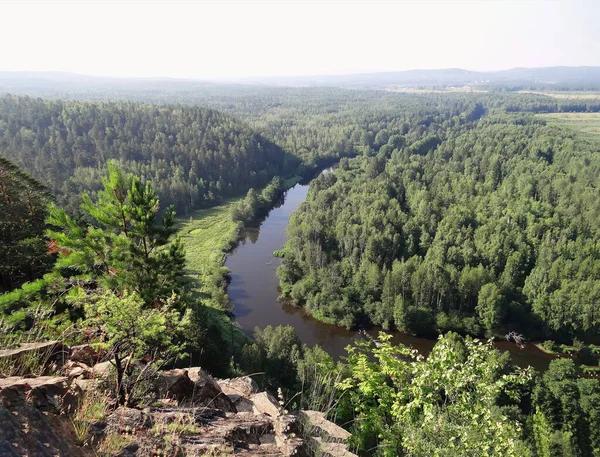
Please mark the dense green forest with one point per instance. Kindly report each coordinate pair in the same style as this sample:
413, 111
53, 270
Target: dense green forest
23, 206
475, 228
194, 156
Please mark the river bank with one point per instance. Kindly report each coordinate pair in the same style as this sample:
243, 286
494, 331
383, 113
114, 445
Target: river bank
254, 292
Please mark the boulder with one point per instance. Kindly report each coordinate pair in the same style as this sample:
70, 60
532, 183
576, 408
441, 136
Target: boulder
238, 387
77, 370
175, 384
85, 353
320, 426
207, 391
102, 369
125, 419
56, 394
264, 403
327, 437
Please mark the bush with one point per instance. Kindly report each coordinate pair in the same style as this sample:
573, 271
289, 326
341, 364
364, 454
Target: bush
549, 346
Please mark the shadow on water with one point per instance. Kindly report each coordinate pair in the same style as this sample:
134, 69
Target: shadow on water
254, 292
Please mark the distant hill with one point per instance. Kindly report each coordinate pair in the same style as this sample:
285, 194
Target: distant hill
70, 85
558, 76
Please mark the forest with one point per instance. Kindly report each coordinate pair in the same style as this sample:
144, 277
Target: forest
455, 216
196, 157
480, 228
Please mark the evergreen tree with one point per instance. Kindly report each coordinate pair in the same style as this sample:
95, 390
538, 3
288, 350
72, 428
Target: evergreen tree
124, 248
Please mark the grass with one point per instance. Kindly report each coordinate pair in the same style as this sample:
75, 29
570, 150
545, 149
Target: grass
208, 235
92, 407
565, 95
113, 444
586, 124
557, 349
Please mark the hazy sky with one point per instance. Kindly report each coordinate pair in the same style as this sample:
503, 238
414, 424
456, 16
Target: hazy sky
202, 39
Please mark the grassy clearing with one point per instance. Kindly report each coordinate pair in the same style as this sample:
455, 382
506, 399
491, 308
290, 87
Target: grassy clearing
587, 124
564, 95
208, 235
417, 90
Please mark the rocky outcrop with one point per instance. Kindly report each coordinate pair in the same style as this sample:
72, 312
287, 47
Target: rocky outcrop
127, 420
245, 396
86, 353
195, 387
33, 414
55, 394
35, 355
205, 431
326, 437
195, 416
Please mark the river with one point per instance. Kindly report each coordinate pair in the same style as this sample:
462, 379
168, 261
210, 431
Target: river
254, 291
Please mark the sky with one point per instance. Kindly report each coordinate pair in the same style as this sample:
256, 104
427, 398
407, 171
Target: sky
240, 39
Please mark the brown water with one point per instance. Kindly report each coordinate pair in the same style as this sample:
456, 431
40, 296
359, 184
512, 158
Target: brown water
254, 292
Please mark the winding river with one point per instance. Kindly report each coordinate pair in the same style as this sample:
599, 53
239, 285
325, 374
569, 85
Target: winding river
254, 291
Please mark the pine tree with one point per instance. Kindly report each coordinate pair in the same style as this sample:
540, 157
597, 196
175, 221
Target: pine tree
124, 248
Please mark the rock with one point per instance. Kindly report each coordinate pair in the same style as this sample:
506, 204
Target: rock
242, 404
287, 424
102, 369
26, 431
287, 432
241, 430
327, 449
207, 391
238, 387
264, 403
293, 447
85, 353
126, 420
77, 370
175, 384
56, 394
323, 428
168, 402
326, 436
31, 426
97, 431
206, 415
47, 353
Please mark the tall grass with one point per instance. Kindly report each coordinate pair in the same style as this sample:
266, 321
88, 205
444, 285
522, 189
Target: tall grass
35, 362
320, 390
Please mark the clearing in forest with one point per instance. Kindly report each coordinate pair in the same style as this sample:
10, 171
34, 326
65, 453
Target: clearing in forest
587, 124
564, 95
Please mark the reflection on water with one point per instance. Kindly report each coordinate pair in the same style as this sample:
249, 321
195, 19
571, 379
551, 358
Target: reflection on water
254, 292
